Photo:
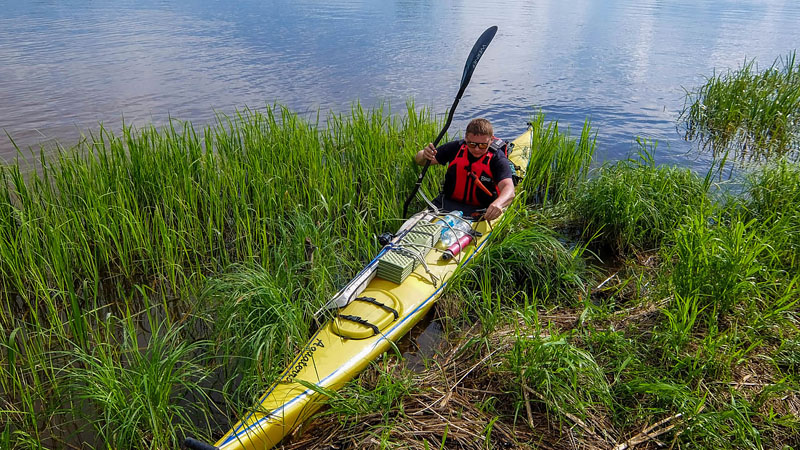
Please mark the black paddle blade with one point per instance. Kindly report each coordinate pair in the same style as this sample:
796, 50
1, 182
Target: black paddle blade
472, 61
475, 56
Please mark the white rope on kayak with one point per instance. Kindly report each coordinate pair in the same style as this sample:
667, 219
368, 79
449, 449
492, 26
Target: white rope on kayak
434, 209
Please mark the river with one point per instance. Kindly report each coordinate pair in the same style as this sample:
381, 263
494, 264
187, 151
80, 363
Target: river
67, 66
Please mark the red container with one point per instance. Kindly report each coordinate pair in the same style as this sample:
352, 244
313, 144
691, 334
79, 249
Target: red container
456, 248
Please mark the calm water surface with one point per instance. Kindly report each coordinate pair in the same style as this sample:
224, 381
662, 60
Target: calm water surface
67, 65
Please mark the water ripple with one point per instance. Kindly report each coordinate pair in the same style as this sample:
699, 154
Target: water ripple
67, 66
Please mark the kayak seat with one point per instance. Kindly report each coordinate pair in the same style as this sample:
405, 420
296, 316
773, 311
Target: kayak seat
367, 315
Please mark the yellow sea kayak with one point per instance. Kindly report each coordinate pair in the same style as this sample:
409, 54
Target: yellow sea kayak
376, 313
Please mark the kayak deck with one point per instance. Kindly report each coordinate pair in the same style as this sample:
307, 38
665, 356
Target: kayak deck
357, 334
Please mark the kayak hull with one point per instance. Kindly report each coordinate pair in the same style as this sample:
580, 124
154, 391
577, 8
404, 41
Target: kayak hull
342, 347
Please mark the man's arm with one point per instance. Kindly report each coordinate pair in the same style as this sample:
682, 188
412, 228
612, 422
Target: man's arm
504, 198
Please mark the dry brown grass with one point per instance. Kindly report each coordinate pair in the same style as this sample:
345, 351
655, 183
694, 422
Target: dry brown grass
446, 410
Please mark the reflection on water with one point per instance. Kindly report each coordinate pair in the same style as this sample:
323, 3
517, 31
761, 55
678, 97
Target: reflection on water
622, 63
420, 347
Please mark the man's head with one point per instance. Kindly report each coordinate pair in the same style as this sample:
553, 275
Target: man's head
479, 136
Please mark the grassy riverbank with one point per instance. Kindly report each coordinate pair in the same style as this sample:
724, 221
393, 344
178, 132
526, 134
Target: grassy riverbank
685, 335
154, 282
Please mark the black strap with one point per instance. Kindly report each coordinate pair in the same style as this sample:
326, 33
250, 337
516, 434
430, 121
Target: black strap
360, 321
194, 444
380, 305
499, 146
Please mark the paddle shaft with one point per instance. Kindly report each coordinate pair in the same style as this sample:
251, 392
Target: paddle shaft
472, 61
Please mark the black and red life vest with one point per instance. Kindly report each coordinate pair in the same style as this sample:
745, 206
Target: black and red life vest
461, 180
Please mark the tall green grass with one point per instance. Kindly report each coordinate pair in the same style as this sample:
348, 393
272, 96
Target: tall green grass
565, 378
722, 266
531, 260
740, 258
131, 389
753, 113
259, 320
156, 218
635, 205
559, 162
773, 201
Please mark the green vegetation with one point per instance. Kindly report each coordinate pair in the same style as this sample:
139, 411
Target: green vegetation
681, 343
755, 114
130, 394
153, 284
635, 205
223, 239
565, 378
560, 162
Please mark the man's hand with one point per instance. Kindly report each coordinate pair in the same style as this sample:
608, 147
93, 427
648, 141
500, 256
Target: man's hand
426, 154
493, 211
506, 190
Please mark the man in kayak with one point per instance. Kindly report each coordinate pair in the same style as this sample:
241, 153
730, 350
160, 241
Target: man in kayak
478, 172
